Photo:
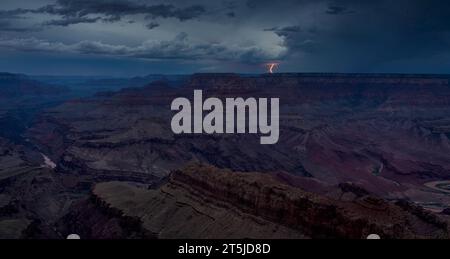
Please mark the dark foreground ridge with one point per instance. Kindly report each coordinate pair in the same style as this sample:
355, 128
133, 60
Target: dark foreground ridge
205, 202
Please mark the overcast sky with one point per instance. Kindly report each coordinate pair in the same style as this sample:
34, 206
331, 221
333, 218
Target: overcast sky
137, 37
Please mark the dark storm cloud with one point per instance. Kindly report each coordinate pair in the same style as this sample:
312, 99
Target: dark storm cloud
7, 26
231, 14
295, 38
335, 10
180, 47
112, 9
64, 22
229, 8
152, 25
230, 5
185, 13
13, 14
309, 35
285, 31
369, 35
71, 20
112, 18
396, 29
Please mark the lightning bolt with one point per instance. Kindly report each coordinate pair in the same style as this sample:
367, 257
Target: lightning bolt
271, 67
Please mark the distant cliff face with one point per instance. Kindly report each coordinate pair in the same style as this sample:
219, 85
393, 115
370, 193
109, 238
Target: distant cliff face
205, 202
14, 85
392, 90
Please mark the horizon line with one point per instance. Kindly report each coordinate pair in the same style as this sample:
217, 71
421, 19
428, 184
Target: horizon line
244, 74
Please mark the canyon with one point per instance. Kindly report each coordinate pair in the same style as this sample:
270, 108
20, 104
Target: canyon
357, 154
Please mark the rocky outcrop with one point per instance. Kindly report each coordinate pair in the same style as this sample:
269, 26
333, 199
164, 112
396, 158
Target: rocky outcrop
92, 218
205, 202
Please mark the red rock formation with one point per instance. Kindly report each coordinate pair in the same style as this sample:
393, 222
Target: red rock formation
223, 200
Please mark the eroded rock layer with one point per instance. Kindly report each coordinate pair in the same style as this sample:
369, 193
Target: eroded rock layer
206, 202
